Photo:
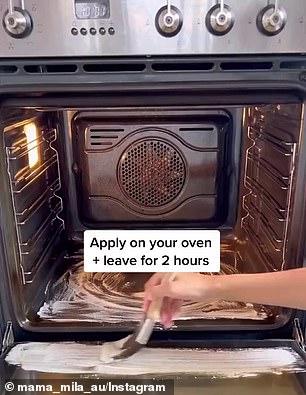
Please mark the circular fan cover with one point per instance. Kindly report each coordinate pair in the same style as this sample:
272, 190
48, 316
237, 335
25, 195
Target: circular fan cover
152, 173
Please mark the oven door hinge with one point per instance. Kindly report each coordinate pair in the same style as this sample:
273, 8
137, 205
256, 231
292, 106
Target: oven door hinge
298, 334
8, 338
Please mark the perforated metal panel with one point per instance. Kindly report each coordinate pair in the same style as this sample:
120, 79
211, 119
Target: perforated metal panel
152, 173
148, 165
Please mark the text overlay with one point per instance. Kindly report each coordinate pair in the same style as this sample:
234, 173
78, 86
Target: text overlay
134, 251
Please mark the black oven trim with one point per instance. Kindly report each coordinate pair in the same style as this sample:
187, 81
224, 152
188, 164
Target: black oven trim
65, 76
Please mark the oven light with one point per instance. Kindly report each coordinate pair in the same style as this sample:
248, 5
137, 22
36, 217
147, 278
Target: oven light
31, 133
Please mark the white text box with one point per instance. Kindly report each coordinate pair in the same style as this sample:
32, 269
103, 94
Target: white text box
134, 251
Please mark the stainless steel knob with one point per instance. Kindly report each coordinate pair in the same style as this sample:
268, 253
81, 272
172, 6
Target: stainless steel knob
169, 20
271, 20
220, 19
17, 23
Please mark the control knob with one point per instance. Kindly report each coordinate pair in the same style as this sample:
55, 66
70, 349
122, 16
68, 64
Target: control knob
220, 19
17, 22
169, 20
272, 19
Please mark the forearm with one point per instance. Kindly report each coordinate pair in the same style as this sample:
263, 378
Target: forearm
286, 289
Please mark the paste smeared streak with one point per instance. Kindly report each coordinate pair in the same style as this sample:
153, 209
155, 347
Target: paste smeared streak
117, 298
84, 358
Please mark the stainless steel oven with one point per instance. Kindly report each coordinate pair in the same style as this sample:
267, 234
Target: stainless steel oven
138, 115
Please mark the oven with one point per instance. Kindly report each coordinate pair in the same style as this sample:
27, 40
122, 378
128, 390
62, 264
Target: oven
149, 115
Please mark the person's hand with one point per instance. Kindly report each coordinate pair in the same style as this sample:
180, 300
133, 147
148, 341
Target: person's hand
185, 287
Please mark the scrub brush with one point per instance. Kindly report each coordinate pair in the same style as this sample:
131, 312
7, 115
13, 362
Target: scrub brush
131, 344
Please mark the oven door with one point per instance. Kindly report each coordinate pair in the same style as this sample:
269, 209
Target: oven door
232, 367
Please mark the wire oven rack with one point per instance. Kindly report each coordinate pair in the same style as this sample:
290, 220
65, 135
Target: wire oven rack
268, 180
37, 204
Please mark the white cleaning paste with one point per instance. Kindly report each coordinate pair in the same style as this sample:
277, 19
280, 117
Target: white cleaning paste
98, 297
84, 358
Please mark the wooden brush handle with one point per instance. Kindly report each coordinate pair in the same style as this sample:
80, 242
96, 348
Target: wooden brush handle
154, 309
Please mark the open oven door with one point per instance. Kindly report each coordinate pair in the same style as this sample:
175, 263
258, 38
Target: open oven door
255, 367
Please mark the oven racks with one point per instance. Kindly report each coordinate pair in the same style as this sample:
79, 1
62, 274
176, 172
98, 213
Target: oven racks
37, 205
269, 178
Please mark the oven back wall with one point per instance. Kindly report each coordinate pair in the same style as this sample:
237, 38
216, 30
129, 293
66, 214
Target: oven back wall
153, 166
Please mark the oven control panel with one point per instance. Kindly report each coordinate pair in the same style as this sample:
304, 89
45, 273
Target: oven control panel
39, 28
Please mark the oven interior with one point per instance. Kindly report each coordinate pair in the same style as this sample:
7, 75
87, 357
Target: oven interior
235, 168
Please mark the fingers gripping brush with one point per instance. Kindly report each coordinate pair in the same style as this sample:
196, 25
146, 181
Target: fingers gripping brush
131, 344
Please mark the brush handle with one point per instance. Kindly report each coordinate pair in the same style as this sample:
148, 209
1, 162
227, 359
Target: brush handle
154, 309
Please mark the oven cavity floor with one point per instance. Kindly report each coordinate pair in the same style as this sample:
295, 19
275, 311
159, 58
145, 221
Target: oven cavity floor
116, 298
227, 363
